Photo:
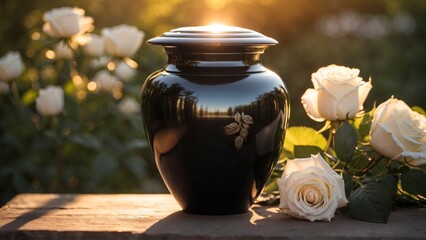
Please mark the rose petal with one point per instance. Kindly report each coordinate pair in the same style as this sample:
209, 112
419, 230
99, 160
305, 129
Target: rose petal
414, 158
405, 130
319, 161
414, 155
348, 105
297, 165
338, 91
384, 110
383, 141
310, 103
327, 105
363, 90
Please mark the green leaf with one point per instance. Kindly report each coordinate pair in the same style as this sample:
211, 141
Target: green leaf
414, 182
305, 151
391, 183
422, 167
86, 140
349, 184
362, 126
419, 110
371, 202
345, 142
271, 187
29, 97
303, 136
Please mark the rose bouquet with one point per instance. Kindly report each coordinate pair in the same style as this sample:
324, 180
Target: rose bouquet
369, 162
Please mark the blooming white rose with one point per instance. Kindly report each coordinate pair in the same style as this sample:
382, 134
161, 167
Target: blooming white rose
94, 45
50, 101
122, 40
4, 87
129, 106
11, 66
126, 71
63, 51
399, 133
310, 189
65, 22
107, 82
338, 92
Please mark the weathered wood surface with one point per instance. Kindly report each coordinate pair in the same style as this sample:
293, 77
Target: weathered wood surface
127, 216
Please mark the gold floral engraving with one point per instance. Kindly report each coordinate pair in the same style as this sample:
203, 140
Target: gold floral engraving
240, 126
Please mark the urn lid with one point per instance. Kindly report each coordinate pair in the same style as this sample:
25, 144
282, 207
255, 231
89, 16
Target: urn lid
212, 36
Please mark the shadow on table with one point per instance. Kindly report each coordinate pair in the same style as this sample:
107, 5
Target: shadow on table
180, 225
58, 202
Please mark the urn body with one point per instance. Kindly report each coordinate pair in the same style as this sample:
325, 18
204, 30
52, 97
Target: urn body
215, 118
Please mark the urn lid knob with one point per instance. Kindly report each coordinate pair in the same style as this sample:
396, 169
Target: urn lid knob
212, 36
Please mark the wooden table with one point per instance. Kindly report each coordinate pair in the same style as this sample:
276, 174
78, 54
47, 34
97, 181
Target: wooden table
132, 216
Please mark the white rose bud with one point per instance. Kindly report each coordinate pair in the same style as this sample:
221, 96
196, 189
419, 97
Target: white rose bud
50, 101
4, 88
310, 189
338, 92
129, 106
125, 70
66, 22
399, 133
11, 66
122, 40
94, 46
107, 82
63, 51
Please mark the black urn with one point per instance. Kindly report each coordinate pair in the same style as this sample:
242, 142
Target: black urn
215, 117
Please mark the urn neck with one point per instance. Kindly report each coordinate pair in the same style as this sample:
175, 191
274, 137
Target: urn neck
214, 59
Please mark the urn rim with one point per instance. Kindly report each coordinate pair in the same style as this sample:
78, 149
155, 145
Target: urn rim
212, 36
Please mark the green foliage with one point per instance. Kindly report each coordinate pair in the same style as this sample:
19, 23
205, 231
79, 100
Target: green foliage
303, 136
305, 151
345, 141
362, 126
414, 182
371, 202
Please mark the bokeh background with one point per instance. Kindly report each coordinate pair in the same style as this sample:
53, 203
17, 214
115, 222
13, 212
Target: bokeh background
386, 39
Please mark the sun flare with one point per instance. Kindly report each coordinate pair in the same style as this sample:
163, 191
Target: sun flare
217, 27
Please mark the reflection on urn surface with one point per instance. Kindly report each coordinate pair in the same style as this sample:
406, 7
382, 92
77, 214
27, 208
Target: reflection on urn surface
187, 117
186, 107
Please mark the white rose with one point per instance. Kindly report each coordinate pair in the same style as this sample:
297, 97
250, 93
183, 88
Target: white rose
399, 133
122, 40
337, 92
310, 189
94, 46
4, 88
66, 22
107, 82
129, 106
50, 101
11, 66
63, 51
126, 71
